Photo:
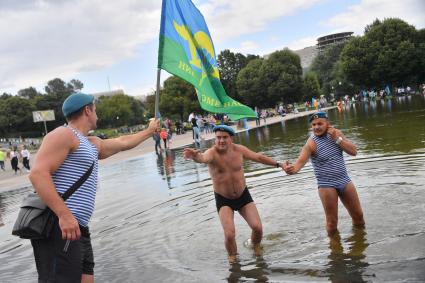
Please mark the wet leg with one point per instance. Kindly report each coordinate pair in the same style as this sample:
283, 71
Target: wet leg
250, 213
351, 201
228, 224
329, 198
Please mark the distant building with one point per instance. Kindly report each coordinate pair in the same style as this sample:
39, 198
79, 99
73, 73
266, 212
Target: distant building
327, 40
307, 56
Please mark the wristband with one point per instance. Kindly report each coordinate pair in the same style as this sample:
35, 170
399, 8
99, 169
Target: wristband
338, 140
277, 164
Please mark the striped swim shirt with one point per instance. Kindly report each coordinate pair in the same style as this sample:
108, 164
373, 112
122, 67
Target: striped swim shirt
81, 202
328, 163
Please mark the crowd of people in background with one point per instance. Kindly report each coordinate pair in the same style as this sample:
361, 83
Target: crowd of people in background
17, 155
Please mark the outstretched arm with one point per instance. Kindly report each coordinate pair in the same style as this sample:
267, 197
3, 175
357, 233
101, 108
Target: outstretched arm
345, 144
305, 154
257, 157
109, 147
197, 156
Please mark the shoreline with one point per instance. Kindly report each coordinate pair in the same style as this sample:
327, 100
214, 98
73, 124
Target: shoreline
9, 181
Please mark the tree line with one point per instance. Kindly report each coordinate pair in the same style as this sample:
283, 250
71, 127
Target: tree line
16, 118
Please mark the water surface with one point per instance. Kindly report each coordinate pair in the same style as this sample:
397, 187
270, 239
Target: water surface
156, 221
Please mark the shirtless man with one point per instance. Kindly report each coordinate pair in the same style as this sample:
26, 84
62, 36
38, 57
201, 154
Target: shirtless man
325, 147
225, 164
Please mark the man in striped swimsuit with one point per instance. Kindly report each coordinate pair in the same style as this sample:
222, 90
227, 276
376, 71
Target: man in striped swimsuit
325, 148
64, 156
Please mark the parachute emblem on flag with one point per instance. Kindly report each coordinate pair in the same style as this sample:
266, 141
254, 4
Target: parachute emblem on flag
202, 55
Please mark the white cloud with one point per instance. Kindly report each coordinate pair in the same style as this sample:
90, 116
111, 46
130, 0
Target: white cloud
45, 39
228, 19
247, 47
303, 42
358, 16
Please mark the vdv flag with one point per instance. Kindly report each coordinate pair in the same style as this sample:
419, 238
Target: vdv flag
187, 51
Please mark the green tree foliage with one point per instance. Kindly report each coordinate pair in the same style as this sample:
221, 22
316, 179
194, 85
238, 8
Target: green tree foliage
311, 86
178, 99
16, 115
324, 66
29, 93
118, 110
282, 75
250, 84
229, 65
388, 53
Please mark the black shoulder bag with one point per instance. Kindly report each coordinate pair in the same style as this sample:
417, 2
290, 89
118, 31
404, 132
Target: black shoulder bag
35, 219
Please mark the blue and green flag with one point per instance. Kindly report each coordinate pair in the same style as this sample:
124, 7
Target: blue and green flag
187, 51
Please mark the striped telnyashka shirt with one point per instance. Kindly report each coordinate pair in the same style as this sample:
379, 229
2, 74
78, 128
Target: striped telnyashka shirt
81, 202
328, 163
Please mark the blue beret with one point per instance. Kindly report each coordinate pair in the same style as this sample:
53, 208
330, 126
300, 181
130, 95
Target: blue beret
317, 115
224, 128
75, 102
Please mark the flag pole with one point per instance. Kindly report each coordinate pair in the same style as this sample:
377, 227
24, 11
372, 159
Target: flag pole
158, 76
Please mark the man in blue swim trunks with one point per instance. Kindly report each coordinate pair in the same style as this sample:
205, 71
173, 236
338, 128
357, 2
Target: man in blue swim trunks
325, 149
225, 164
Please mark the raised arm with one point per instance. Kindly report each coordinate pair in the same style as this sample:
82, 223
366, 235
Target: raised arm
197, 156
109, 147
257, 157
305, 154
345, 144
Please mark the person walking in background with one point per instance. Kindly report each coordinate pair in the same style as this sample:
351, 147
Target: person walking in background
14, 161
157, 138
25, 157
164, 136
2, 159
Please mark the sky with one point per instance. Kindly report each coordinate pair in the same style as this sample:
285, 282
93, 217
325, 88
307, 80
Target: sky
109, 44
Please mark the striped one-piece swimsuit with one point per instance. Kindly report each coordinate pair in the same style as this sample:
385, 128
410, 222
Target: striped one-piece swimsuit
81, 202
328, 164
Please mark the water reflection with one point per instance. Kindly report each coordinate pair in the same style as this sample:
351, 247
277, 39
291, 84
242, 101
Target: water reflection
165, 165
257, 270
348, 266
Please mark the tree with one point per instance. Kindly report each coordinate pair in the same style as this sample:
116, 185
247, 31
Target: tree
75, 85
29, 93
324, 64
388, 53
311, 86
250, 84
229, 65
282, 76
119, 110
58, 88
178, 98
16, 115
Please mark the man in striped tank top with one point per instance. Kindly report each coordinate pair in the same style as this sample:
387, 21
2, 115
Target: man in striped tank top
65, 155
325, 149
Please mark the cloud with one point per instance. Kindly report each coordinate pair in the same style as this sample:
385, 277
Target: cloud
229, 19
358, 16
45, 39
303, 42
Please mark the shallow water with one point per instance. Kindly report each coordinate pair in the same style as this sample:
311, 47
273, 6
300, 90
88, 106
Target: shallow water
156, 221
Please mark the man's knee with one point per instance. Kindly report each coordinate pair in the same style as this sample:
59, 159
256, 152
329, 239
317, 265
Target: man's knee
257, 228
229, 235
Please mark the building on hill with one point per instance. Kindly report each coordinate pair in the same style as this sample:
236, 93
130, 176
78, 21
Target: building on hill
327, 40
